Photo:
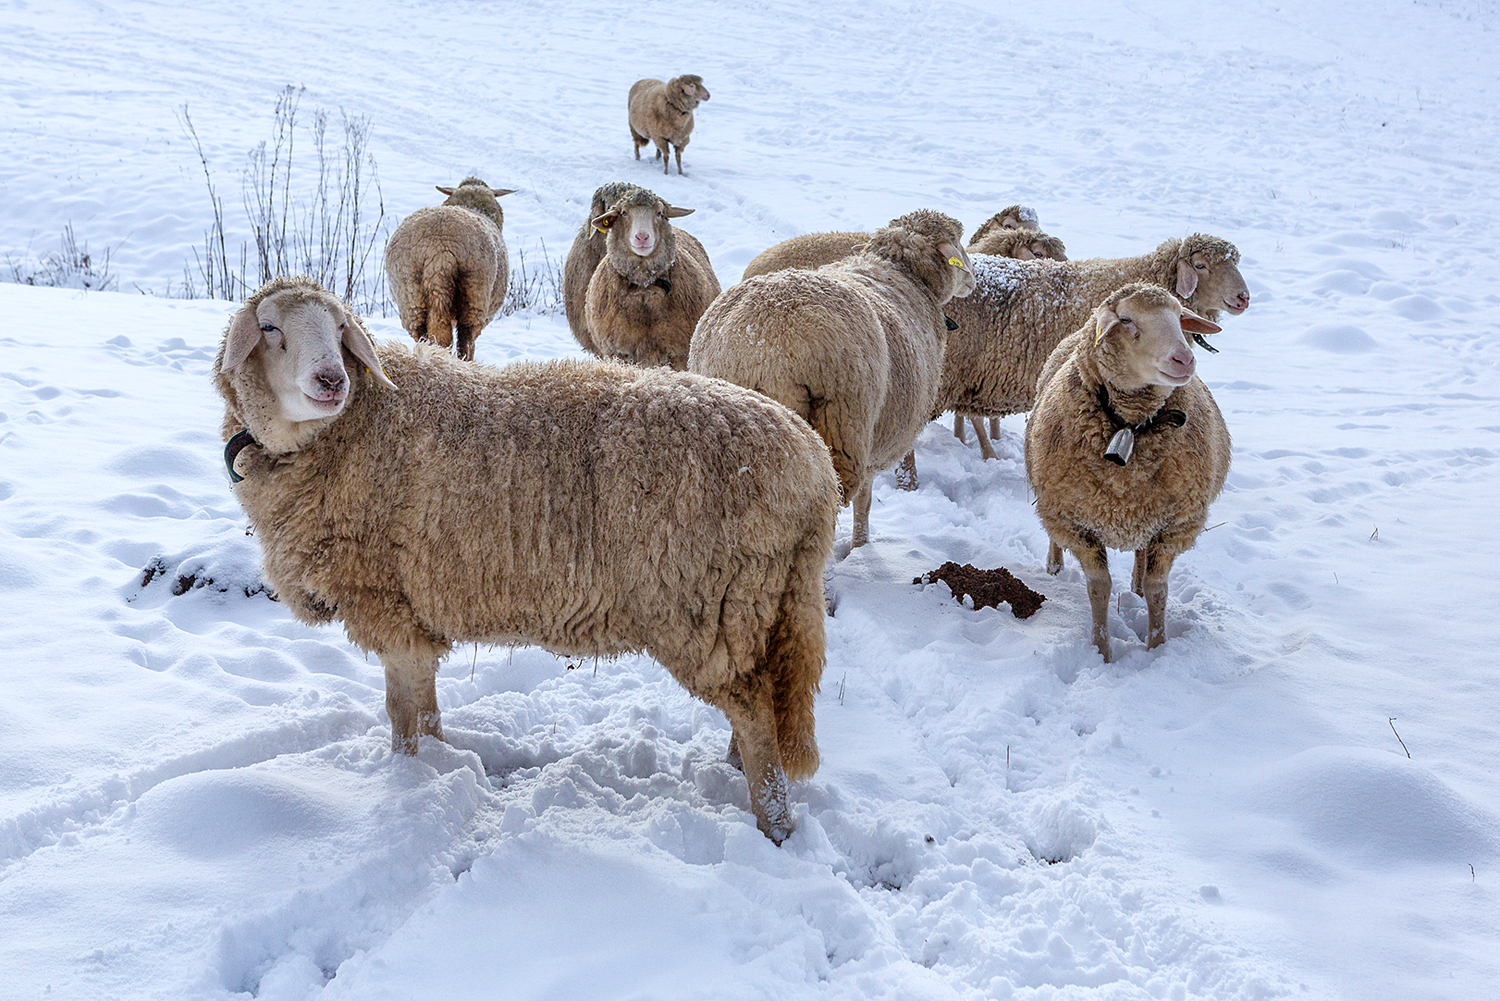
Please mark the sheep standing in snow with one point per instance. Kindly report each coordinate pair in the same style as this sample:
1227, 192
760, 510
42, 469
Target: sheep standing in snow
1022, 311
1126, 449
591, 508
584, 256
662, 113
655, 281
854, 348
448, 267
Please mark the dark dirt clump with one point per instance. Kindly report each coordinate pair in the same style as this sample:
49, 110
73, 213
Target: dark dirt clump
987, 587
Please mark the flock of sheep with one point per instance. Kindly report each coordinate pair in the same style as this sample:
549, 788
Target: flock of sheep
679, 497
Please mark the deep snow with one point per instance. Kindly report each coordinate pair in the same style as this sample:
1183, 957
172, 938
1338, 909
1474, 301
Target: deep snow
199, 800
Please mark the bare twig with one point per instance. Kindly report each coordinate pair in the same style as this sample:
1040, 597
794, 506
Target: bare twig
841, 687
1375, 534
1392, 721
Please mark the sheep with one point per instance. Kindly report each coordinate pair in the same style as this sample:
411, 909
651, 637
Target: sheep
447, 265
1021, 311
588, 507
1020, 244
654, 282
662, 113
854, 348
1015, 217
1126, 449
584, 256
813, 250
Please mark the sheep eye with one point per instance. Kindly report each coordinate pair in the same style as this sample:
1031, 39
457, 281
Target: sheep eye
1201, 267
267, 328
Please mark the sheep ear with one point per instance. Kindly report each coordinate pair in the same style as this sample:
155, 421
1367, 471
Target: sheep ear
244, 335
446, 191
1195, 324
1105, 320
603, 222
673, 212
497, 192
1187, 279
953, 255
361, 346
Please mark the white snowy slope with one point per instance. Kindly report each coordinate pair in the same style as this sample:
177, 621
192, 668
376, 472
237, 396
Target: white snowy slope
198, 798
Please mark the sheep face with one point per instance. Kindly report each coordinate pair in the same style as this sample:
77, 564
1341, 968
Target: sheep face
1141, 342
297, 340
690, 90
1042, 247
1211, 281
474, 194
639, 223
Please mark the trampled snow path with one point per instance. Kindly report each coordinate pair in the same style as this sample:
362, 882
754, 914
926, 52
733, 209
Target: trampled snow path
198, 800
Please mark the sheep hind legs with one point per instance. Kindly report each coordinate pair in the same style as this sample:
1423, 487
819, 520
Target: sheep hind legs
411, 698
751, 711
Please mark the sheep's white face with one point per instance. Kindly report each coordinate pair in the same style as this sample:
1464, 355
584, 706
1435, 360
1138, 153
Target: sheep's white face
642, 235
1146, 345
301, 354
1209, 285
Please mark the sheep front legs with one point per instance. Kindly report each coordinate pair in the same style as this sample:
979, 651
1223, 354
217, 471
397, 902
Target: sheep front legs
411, 698
1157, 564
753, 715
1096, 568
664, 154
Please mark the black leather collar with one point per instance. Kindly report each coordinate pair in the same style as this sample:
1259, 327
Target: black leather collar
232, 450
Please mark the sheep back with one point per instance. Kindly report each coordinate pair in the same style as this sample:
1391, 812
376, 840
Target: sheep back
806, 252
446, 265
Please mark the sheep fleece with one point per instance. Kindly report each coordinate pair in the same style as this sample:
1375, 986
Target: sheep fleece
588, 507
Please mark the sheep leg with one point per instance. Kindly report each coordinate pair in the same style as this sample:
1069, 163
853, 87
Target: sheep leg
678, 151
994, 427
984, 440
958, 427
1157, 564
906, 472
466, 335
1054, 558
411, 698
752, 712
664, 154
1138, 573
639, 141
735, 759
1096, 569
862, 512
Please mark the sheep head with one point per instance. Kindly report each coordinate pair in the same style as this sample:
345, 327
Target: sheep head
474, 194
639, 239
1206, 276
1138, 338
1041, 247
606, 195
930, 246
287, 346
1014, 217
688, 90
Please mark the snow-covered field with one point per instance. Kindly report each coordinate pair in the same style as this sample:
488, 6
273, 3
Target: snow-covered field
198, 800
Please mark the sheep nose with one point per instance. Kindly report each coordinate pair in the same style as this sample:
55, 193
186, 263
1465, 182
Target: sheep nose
1244, 300
330, 383
1182, 362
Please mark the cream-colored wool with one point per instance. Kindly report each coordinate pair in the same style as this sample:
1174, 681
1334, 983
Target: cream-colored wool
1157, 502
584, 256
662, 113
447, 266
591, 508
854, 348
1021, 311
642, 310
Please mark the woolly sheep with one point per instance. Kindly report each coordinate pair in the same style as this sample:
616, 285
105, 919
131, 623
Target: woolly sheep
584, 256
854, 348
1126, 449
1021, 311
447, 265
1015, 217
591, 508
662, 113
1020, 244
653, 284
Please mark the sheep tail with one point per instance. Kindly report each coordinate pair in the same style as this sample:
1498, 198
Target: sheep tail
440, 284
795, 653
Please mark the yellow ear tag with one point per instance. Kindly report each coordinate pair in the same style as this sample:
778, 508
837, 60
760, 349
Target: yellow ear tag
1099, 334
955, 262
601, 229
